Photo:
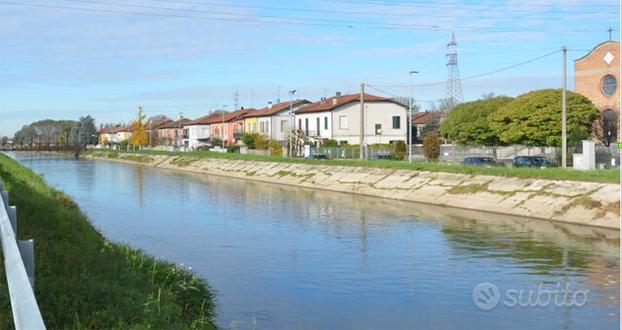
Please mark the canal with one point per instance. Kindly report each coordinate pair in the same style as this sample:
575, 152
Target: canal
287, 258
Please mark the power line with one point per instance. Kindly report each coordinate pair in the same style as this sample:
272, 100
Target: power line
290, 20
481, 74
445, 6
334, 11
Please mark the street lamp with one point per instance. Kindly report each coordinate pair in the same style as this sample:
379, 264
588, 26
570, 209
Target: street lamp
410, 115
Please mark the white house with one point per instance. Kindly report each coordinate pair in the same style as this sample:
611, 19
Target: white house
338, 118
274, 120
199, 131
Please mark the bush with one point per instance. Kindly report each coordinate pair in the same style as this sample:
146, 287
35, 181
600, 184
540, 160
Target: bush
275, 148
432, 145
123, 145
215, 141
400, 150
330, 143
261, 143
249, 140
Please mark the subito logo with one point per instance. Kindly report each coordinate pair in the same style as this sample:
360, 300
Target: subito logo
486, 296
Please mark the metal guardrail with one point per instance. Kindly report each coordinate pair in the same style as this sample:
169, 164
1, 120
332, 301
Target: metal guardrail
20, 269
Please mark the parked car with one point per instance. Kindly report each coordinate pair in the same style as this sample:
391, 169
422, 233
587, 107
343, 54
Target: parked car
533, 161
483, 161
317, 156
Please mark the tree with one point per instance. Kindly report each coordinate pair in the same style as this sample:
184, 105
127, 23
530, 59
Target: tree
433, 126
400, 150
432, 145
139, 134
46, 131
468, 123
4, 141
534, 118
605, 127
84, 131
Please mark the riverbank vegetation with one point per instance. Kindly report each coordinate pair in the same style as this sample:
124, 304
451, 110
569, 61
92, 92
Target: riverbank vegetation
605, 176
84, 281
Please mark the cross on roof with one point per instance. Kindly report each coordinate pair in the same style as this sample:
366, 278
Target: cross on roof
610, 30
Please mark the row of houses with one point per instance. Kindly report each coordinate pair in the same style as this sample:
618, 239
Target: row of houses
337, 118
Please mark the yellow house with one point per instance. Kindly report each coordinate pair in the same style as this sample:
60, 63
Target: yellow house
250, 124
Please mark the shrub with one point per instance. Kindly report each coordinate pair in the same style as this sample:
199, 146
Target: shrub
330, 143
432, 145
261, 142
123, 145
275, 148
400, 150
249, 140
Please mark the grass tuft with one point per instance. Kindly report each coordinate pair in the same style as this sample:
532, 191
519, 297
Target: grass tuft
87, 282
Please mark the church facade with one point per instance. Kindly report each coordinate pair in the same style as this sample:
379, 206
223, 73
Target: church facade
597, 76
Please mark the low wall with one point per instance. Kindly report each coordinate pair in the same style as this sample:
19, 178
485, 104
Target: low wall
585, 203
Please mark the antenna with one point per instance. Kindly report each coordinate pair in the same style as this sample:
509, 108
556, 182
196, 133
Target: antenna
610, 30
454, 86
236, 100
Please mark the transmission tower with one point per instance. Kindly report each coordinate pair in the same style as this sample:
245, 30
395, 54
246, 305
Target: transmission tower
454, 86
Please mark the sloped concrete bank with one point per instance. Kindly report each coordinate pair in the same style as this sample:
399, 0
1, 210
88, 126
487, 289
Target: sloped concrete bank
584, 203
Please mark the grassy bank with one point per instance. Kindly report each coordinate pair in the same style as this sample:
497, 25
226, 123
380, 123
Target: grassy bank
607, 176
84, 281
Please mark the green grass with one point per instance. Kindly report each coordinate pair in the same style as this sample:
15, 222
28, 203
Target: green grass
84, 281
605, 176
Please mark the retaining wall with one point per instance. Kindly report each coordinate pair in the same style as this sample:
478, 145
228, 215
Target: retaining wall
586, 203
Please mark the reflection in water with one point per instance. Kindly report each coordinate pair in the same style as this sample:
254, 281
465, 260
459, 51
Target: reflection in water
291, 258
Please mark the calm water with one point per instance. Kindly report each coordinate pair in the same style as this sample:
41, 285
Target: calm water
286, 258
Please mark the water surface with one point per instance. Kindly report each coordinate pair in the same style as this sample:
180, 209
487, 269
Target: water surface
288, 258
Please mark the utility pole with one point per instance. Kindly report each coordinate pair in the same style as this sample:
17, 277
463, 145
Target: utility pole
180, 130
292, 122
564, 83
222, 127
362, 132
409, 126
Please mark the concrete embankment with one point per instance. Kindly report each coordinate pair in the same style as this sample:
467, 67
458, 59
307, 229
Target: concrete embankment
585, 203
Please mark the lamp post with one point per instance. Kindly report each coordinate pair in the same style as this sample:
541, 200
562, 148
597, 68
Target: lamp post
410, 115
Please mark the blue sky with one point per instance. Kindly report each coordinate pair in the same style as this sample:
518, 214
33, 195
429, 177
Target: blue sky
62, 59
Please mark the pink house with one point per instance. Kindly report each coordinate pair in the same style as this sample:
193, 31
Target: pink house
171, 133
229, 127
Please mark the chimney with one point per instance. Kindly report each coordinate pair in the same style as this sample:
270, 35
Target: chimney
338, 94
334, 101
270, 105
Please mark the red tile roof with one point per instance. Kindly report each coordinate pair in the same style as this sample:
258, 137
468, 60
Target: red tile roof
269, 111
231, 116
427, 117
158, 124
176, 124
205, 120
337, 101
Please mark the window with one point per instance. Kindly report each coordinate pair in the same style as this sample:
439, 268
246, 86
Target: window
326, 123
396, 122
317, 126
307, 126
378, 129
299, 123
343, 122
343, 142
284, 125
609, 85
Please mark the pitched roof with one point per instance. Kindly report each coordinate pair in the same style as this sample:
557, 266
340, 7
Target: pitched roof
278, 107
230, 116
158, 124
426, 117
203, 120
176, 124
337, 101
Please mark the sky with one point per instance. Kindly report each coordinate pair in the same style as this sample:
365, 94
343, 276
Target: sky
62, 59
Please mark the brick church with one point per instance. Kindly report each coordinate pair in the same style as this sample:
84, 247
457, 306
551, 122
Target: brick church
597, 76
